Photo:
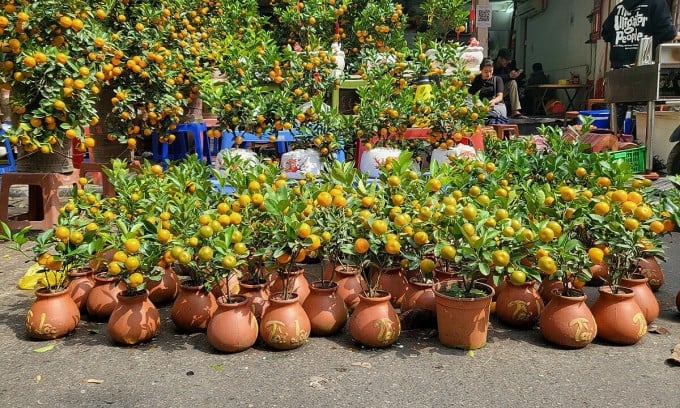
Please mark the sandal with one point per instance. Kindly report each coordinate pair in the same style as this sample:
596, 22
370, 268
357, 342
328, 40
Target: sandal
518, 115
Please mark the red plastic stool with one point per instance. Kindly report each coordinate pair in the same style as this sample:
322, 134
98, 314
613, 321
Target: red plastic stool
43, 198
506, 131
96, 168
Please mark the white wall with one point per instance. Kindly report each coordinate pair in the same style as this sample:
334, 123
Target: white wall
556, 37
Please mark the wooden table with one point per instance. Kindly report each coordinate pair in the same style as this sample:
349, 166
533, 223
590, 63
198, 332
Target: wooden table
570, 90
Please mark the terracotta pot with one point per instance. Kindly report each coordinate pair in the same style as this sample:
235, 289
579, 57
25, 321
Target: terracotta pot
351, 284
297, 283
419, 295
546, 288
101, 259
233, 327
519, 306
257, 296
326, 310
392, 281
649, 267
643, 296
374, 322
193, 308
81, 282
462, 322
619, 319
164, 290
441, 273
52, 315
285, 325
600, 274
134, 320
488, 280
567, 321
221, 289
103, 297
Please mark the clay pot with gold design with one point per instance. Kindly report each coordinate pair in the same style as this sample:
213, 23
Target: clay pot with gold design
375, 322
285, 325
519, 306
52, 315
619, 318
567, 321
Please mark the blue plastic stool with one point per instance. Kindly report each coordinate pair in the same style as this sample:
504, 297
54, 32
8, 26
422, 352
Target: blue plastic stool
283, 141
180, 147
11, 164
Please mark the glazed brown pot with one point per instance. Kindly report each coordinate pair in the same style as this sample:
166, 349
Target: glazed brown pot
375, 322
134, 320
233, 327
677, 301
193, 308
619, 319
103, 298
81, 282
567, 321
296, 281
326, 310
419, 295
462, 322
519, 306
650, 268
351, 284
257, 295
392, 281
285, 324
165, 290
643, 296
52, 315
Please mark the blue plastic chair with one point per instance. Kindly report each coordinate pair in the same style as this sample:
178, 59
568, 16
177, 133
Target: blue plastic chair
283, 141
10, 166
180, 147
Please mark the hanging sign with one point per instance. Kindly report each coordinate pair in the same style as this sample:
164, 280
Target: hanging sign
483, 16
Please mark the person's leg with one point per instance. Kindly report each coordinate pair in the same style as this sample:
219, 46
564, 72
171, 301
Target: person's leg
513, 95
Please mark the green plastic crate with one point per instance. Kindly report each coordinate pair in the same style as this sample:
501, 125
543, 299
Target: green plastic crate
635, 157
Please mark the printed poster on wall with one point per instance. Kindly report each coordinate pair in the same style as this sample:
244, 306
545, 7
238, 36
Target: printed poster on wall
483, 15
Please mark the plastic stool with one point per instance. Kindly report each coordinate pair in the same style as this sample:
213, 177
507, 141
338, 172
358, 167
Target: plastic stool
283, 141
179, 148
90, 167
506, 131
43, 198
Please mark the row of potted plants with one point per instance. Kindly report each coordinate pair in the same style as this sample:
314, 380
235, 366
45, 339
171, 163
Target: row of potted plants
513, 214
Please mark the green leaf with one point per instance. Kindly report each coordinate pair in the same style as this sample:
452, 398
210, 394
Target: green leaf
45, 348
217, 367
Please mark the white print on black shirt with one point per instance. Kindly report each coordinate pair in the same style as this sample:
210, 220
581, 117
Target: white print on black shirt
629, 27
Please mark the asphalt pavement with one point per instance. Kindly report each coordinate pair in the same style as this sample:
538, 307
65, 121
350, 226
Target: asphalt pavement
517, 368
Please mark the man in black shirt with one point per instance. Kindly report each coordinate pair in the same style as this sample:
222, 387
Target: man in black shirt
504, 68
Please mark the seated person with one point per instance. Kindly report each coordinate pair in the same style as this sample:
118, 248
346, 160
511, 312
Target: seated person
490, 87
537, 76
505, 68
532, 95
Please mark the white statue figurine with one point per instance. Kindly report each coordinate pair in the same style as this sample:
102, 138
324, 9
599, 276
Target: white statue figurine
339, 54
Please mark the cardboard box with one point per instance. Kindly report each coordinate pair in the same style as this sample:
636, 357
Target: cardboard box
665, 123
